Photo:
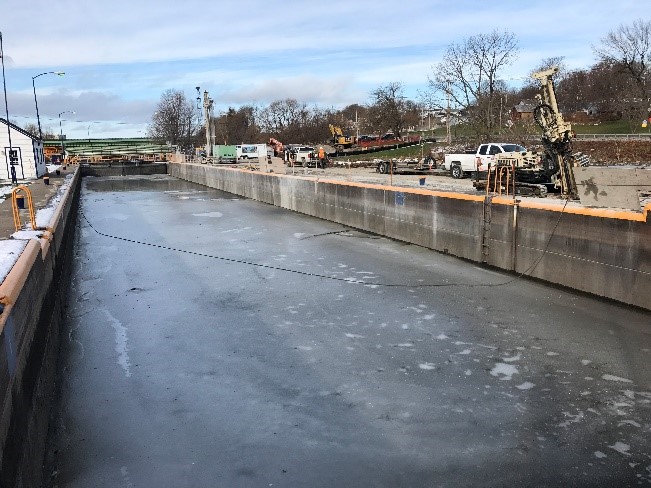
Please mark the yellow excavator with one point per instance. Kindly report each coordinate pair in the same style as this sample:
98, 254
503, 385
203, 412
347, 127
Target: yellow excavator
339, 139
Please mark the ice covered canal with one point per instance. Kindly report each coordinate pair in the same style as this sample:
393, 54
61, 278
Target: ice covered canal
216, 341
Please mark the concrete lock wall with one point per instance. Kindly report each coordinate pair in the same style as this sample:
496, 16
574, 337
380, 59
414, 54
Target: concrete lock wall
603, 252
31, 297
123, 169
606, 253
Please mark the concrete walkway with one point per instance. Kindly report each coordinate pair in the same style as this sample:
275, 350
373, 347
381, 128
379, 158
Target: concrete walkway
41, 195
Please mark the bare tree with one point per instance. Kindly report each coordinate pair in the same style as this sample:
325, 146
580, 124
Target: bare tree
32, 129
628, 50
387, 108
283, 119
470, 71
48, 134
175, 119
630, 47
292, 121
237, 126
412, 114
551, 62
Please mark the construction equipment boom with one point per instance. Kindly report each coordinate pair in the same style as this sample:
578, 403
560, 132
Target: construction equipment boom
557, 134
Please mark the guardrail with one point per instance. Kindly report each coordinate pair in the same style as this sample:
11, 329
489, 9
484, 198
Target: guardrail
601, 137
607, 137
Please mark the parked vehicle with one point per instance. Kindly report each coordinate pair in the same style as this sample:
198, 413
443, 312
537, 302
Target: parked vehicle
252, 151
225, 153
300, 156
460, 165
409, 165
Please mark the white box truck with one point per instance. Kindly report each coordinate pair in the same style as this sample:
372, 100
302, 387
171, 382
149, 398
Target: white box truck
252, 151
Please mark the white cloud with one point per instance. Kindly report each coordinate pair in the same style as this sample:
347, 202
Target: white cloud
120, 57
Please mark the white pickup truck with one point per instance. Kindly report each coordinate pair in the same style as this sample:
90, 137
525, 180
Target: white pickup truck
460, 165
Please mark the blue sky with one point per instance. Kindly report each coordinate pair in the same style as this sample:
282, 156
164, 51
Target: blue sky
119, 56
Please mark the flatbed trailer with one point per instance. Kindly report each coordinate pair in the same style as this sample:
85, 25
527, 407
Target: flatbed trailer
396, 166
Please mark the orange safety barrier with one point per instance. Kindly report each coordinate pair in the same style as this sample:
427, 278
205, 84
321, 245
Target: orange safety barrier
30, 206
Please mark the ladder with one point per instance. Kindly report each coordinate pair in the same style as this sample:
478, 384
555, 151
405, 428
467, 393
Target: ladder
486, 228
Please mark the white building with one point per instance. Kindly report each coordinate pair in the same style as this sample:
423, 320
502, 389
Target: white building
27, 150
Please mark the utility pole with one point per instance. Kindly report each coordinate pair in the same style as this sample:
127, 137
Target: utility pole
448, 136
207, 113
357, 127
11, 156
198, 105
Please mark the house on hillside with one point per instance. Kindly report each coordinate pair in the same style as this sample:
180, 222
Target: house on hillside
523, 110
27, 152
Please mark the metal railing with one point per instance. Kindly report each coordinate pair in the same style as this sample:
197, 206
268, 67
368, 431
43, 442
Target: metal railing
15, 195
609, 137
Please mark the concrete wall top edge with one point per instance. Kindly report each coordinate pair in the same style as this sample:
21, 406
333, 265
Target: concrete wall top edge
552, 207
12, 284
56, 216
606, 213
417, 191
15, 279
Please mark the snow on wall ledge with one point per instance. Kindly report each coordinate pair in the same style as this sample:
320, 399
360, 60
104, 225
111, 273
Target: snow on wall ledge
31, 298
603, 252
11, 249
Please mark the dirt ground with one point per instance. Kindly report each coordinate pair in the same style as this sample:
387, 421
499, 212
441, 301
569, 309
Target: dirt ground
615, 152
439, 180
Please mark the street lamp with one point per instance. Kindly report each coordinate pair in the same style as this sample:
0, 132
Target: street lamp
63, 145
4, 85
38, 120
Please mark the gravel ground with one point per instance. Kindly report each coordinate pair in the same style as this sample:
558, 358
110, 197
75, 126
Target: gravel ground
438, 180
434, 181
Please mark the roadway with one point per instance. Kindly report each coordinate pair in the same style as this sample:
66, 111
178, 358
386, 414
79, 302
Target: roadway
217, 341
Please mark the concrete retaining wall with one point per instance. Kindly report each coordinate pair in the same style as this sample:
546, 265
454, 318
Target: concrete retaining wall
31, 296
606, 253
123, 169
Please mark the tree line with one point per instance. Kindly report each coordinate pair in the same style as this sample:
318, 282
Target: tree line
468, 79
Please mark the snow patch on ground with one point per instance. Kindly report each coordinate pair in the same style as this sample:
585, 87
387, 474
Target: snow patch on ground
9, 251
629, 422
121, 346
26, 235
517, 357
621, 448
573, 419
354, 336
610, 377
504, 371
5, 190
